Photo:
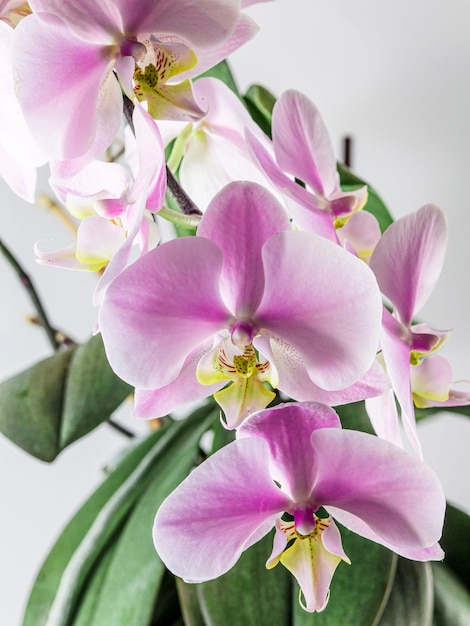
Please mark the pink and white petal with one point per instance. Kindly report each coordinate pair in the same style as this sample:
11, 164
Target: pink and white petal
210, 163
239, 220
98, 240
150, 180
158, 310
57, 71
325, 303
431, 380
245, 29
151, 403
432, 552
362, 231
296, 383
408, 259
203, 24
396, 354
302, 144
93, 21
383, 415
215, 512
15, 136
96, 180
65, 258
226, 115
19, 177
287, 428
397, 495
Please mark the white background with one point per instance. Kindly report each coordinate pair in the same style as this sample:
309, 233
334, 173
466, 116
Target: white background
395, 76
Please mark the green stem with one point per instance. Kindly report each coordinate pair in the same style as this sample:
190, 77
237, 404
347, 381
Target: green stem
180, 219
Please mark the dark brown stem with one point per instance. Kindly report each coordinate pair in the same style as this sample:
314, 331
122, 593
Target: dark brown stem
28, 285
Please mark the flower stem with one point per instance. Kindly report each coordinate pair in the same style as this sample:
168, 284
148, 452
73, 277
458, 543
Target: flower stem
28, 285
42, 318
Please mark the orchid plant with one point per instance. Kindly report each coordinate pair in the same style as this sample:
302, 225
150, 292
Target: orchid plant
257, 288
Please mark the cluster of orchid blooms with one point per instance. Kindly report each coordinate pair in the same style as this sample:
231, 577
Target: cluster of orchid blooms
281, 287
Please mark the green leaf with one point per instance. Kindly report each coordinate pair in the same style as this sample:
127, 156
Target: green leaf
374, 205
31, 406
78, 551
260, 103
358, 591
48, 580
249, 594
60, 399
412, 596
451, 599
133, 579
354, 417
223, 72
92, 392
456, 544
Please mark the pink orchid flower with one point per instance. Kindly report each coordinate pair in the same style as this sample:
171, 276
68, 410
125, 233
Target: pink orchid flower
68, 55
212, 151
19, 154
246, 300
407, 262
301, 148
114, 204
294, 459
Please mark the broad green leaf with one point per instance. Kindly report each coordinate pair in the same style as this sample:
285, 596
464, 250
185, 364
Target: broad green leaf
31, 406
78, 550
456, 544
48, 580
249, 594
260, 103
223, 72
412, 597
92, 391
88, 600
451, 599
135, 574
359, 591
60, 399
374, 205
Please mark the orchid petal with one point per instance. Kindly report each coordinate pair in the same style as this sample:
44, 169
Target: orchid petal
337, 313
398, 496
93, 21
383, 415
362, 231
408, 259
98, 239
204, 23
76, 83
239, 220
295, 382
216, 510
170, 310
286, 428
432, 552
151, 403
396, 353
302, 144
431, 380
211, 162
